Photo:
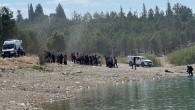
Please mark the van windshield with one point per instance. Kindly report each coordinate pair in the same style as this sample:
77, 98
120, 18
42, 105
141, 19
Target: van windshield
8, 46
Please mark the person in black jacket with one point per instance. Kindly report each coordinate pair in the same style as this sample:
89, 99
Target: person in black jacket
189, 70
134, 62
115, 62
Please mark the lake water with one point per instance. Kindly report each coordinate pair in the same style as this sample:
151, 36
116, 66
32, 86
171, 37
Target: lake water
169, 94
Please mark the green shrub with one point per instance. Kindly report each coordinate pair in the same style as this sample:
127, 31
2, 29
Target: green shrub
41, 58
154, 59
40, 68
182, 57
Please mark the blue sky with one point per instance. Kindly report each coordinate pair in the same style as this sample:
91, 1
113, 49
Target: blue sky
82, 6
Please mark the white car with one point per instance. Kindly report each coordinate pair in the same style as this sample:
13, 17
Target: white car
140, 61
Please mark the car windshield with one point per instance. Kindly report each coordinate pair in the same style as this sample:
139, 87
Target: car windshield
8, 46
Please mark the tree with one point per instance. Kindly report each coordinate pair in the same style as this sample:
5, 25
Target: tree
87, 17
129, 15
19, 16
157, 11
56, 42
76, 17
38, 11
155, 45
8, 27
144, 13
121, 14
169, 12
182, 12
31, 13
111, 32
60, 12
150, 15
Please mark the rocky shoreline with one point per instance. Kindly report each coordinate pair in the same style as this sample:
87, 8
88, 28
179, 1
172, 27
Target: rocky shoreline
23, 86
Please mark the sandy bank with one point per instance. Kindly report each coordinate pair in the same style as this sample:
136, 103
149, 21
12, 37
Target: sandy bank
22, 87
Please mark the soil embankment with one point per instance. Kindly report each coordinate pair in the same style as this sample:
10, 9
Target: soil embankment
22, 86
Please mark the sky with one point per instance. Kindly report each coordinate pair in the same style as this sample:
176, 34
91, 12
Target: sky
91, 6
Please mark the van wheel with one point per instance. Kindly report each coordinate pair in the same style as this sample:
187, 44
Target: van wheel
130, 63
142, 64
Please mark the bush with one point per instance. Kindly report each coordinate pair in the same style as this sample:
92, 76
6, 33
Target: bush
154, 59
40, 68
41, 58
182, 57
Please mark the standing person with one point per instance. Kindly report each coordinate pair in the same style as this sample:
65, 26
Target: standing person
106, 61
53, 57
189, 70
134, 62
19, 52
60, 58
110, 62
65, 59
72, 57
100, 60
115, 62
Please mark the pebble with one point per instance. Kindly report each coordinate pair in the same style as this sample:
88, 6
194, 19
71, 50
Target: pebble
79, 72
12, 102
13, 86
22, 104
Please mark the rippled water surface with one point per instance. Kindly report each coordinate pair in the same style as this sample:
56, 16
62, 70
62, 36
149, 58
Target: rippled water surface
170, 94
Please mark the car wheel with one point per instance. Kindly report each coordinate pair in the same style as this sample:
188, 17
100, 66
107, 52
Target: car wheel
130, 63
142, 64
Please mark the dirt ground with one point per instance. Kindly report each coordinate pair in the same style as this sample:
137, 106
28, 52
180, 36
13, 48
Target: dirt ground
24, 87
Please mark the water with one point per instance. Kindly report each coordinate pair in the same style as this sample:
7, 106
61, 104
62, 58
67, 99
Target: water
169, 94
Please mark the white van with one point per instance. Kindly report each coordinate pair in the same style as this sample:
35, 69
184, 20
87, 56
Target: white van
10, 47
140, 61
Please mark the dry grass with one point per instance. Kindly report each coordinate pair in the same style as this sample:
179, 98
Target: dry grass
19, 62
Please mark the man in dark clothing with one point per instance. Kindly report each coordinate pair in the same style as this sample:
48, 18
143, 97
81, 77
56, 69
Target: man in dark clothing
189, 70
65, 59
134, 62
106, 61
53, 57
115, 62
19, 52
72, 57
60, 58
110, 62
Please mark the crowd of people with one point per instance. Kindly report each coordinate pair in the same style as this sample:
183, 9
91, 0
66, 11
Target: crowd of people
111, 62
53, 57
85, 59
79, 58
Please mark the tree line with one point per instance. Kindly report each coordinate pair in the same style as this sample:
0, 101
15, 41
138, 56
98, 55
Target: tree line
108, 33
